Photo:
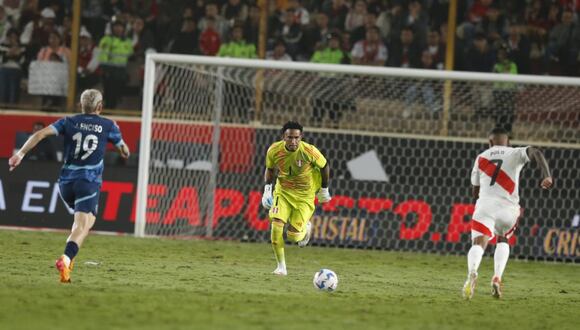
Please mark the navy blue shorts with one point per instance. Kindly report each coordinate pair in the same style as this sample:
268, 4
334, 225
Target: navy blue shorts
81, 195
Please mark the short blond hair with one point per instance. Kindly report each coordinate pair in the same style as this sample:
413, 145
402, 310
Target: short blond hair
90, 99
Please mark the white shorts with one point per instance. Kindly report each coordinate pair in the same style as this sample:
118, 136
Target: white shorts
494, 217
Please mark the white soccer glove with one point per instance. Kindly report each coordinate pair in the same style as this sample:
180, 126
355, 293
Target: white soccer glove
267, 199
323, 195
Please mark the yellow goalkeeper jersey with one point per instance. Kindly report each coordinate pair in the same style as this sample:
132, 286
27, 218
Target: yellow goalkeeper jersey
298, 171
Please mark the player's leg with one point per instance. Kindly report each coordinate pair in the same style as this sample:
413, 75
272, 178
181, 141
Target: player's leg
506, 226
300, 228
86, 198
279, 214
500, 259
481, 233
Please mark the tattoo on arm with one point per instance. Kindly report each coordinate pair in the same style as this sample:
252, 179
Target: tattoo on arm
325, 173
269, 176
538, 157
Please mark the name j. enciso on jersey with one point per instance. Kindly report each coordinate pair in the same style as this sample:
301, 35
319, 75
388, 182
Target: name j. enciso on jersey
90, 127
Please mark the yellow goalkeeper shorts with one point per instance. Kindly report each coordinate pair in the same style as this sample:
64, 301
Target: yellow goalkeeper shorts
290, 210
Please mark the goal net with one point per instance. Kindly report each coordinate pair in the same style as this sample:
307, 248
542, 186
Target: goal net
400, 144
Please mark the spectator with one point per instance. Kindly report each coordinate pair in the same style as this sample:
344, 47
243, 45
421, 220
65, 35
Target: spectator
35, 33
360, 32
388, 21
330, 53
478, 10
406, 51
44, 150
125, 18
291, 33
424, 90
475, 15
300, 14
5, 24
238, 96
209, 39
316, 36
142, 40
279, 52
416, 18
479, 57
374, 6
329, 92
562, 50
436, 48
65, 31
337, 12
370, 51
504, 92
114, 55
55, 50
12, 10
148, 10
235, 11
186, 41
519, 47
11, 65
237, 47
220, 24
356, 16
252, 26
88, 61
112, 9
346, 43
493, 25
92, 17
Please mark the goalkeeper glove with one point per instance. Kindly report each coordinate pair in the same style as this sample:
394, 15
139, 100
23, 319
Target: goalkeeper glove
267, 199
323, 195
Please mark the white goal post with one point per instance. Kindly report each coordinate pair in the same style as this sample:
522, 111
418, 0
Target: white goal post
197, 110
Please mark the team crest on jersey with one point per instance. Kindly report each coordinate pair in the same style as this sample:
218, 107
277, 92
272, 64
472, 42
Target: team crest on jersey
299, 163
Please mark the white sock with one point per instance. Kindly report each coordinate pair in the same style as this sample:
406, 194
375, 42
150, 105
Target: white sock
282, 265
66, 260
500, 258
474, 258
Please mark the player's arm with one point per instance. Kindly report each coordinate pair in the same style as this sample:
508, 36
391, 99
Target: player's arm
538, 157
475, 191
475, 179
116, 138
29, 145
123, 150
267, 198
325, 175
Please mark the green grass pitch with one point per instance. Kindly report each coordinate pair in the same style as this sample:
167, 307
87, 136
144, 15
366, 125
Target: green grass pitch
172, 284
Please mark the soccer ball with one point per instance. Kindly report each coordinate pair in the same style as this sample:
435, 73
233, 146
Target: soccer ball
325, 280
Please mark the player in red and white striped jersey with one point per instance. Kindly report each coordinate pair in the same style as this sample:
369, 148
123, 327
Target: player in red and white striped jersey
495, 178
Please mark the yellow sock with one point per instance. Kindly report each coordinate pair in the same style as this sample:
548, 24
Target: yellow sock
296, 236
278, 243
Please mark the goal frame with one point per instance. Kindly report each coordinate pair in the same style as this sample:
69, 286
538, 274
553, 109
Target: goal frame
149, 90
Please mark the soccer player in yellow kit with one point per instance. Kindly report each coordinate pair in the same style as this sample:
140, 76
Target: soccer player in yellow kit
302, 173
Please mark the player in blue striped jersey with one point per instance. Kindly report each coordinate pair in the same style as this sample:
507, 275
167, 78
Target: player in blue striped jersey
85, 138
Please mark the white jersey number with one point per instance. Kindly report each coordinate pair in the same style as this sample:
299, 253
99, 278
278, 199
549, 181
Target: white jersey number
89, 145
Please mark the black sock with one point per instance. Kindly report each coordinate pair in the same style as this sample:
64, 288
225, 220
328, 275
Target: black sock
71, 249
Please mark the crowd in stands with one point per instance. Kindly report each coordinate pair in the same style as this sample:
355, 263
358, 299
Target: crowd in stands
510, 36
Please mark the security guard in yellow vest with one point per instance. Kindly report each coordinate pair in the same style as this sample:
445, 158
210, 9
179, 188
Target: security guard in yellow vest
114, 52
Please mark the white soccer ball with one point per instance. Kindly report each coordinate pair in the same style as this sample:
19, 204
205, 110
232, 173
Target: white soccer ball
325, 280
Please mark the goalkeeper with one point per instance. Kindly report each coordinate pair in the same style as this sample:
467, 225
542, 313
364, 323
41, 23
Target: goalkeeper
302, 172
